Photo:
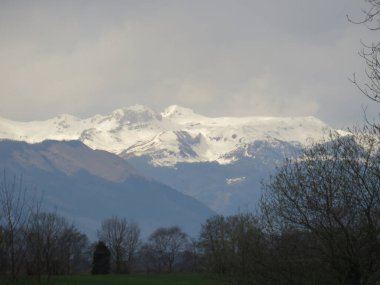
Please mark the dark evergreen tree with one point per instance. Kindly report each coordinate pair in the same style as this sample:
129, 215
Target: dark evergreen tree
101, 259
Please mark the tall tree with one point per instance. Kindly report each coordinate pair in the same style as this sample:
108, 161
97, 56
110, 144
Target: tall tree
122, 238
234, 248
101, 259
15, 210
54, 246
370, 52
164, 246
332, 191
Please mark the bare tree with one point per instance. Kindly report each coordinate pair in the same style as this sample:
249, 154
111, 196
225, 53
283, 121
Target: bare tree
234, 247
53, 247
332, 191
122, 238
292, 256
15, 210
214, 240
34, 243
370, 52
73, 250
132, 245
164, 246
191, 257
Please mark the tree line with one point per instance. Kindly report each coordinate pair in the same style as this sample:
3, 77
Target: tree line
36, 245
319, 220
318, 223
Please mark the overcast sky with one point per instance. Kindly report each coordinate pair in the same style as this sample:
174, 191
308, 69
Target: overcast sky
239, 58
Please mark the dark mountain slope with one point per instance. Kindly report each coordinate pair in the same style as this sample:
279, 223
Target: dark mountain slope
88, 186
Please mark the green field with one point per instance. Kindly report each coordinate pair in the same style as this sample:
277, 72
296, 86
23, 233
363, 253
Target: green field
137, 279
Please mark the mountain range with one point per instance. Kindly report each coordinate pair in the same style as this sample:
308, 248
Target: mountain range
175, 135
219, 161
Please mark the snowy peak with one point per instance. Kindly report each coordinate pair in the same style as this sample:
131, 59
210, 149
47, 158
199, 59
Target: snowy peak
181, 114
167, 148
175, 111
176, 135
135, 114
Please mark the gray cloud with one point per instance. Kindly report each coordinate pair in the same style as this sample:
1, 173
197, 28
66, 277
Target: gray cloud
284, 58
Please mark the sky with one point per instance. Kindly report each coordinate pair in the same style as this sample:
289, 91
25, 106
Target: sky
217, 57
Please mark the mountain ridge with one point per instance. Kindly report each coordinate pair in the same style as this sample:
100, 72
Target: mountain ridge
176, 135
88, 186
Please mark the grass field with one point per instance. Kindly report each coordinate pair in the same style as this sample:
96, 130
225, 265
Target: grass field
137, 279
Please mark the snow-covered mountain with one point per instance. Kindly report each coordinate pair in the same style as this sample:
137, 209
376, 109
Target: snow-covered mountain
219, 161
177, 135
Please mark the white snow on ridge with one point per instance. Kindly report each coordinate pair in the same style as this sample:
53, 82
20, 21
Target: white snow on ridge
236, 180
175, 135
